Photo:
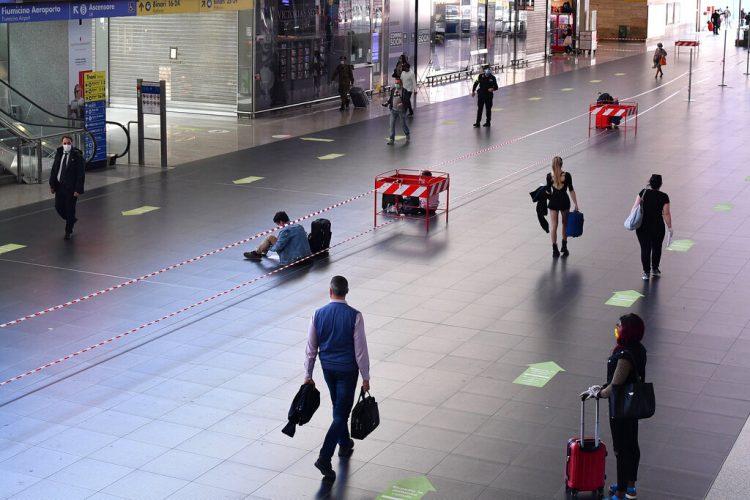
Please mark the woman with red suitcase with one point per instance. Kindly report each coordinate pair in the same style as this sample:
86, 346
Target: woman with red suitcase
627, 364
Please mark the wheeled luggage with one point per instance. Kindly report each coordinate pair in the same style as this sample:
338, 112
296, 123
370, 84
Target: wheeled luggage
586, 460
359, 97
575, 224
320, 237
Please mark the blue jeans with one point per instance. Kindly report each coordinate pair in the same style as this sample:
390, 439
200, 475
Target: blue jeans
398, 115
342, 386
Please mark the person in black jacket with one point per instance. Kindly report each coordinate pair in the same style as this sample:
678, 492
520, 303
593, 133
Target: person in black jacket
487, 86
345, 76
66, 182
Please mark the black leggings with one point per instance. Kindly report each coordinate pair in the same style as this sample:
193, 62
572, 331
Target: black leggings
651, 241
625, 444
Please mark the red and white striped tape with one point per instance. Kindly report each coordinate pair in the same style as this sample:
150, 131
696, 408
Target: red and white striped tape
416, 190
186, 308
174, 266
687, 43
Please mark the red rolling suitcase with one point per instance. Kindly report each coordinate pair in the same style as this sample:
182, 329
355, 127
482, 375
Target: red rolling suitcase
586, 460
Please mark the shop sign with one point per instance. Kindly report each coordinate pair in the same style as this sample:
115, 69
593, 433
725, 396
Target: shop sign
396, 39
95, 115
111, 8
424, 36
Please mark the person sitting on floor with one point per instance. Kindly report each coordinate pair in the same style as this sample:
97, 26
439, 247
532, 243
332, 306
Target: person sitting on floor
605, 98
418, 205
291, 244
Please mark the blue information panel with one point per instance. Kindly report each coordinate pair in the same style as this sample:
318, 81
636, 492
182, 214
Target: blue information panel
62, 11
96, 123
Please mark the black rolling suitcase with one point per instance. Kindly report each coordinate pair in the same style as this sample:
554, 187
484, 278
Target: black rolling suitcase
359, 97
320, 236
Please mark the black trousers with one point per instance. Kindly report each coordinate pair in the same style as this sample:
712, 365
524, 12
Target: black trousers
65, 204
627, 451
344, 95
407, 101
650, 240
484, 102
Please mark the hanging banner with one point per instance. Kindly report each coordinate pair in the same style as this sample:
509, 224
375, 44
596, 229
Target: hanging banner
95, 97
79, 60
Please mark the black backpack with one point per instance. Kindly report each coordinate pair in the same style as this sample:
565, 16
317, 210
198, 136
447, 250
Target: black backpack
320, 237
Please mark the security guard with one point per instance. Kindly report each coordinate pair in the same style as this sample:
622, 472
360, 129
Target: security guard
487, 85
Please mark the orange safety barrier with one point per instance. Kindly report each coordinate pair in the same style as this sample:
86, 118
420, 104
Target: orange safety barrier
409, 183
603, 114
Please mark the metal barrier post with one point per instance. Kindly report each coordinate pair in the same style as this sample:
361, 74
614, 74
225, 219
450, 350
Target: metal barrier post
724, 59
19, 156
690, 76
163, 122
747, 67
141, 142
38, 161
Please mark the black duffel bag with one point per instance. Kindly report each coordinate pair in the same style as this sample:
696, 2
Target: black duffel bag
365, 416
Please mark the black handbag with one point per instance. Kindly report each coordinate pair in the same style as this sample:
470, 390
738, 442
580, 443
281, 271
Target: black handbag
365, 416
635, 400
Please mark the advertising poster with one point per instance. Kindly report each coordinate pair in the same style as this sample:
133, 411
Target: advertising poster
79, 59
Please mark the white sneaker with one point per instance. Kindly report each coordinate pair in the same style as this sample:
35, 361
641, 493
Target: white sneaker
645, 277
389, 141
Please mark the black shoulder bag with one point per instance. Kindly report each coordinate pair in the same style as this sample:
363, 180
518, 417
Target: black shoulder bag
634, 400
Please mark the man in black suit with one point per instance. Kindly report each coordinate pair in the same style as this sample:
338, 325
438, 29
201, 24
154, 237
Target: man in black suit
66, 182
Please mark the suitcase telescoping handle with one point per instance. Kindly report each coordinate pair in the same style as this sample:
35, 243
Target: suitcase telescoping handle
596, 423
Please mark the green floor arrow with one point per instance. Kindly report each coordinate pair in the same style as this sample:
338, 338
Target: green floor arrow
140, 210
624, 298
723, 207
247, 180
10, 247
411, 488
747, 179
538, 374
316, 139
330, 156
681, 245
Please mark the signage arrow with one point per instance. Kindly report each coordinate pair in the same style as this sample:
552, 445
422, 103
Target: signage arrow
247, 180
10, 247
723, 207
410, 488
624, 298
140, 210
681, 245
538, 374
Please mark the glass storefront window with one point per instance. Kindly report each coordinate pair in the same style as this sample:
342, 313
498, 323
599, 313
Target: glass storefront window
298, 44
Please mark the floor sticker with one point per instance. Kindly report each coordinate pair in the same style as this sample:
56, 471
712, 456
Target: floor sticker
538, 374
410, 488
595, 81
747, 179
140, 210
723, 207
535, 98
681, 245
247, 180
330, 156
448, 122
624, 298
316, 139
9, 247
495, 110
566, 89
619, 74
281, 136
218, 131
397, 137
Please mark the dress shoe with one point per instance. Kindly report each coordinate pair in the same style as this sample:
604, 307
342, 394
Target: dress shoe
346, 451
253, 255
324, 466
476, 125
68, 236
486, 125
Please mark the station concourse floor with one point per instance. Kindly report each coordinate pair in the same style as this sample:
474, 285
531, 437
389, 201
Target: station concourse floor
191, 406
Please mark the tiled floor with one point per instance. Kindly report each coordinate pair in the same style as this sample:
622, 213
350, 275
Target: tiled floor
191, 407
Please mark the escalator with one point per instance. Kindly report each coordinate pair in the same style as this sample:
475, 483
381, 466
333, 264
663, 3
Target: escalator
30, 135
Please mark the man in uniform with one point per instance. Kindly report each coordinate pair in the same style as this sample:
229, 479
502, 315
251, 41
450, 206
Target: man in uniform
345, 76
487, 86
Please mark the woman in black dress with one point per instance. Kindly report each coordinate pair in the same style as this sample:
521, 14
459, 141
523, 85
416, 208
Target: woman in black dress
559, 183
651, 233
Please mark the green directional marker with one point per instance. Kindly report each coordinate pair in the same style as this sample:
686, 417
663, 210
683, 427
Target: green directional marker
140, 210
281, 136
619, 74
330, 156
535, 98
411, 488
247, 180
316, 139
538, 374
495, 110
681, 245
595, 81
566, 89
624, 298
9, 247
183, 128
723, 207
448, 122
747, 179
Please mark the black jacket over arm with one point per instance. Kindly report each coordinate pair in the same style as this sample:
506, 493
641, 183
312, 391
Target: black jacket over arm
75, 174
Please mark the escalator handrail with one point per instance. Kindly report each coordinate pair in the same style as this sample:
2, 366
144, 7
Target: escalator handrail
13, 89
127, 136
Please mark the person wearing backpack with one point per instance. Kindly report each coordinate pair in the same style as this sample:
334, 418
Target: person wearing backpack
397, 104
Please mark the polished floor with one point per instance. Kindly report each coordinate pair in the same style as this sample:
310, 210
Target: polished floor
190, 381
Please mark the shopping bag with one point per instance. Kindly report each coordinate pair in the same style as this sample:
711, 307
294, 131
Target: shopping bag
663, 61
365, 416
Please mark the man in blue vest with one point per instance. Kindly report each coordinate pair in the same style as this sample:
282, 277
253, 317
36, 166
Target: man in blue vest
337, 332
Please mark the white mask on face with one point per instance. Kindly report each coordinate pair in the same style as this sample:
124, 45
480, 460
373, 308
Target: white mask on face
67, 147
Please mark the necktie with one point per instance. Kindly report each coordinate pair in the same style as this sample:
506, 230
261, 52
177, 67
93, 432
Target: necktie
63, 166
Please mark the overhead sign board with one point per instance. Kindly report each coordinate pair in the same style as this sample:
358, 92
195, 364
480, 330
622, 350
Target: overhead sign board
110, 8
63, 11
157, 7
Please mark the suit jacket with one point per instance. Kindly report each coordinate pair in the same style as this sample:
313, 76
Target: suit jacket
74, 175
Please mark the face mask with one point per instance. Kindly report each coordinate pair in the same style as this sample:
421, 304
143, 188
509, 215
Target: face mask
397, 85
486, 72
67, 147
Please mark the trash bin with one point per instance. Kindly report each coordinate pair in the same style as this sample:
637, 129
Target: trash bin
623, 31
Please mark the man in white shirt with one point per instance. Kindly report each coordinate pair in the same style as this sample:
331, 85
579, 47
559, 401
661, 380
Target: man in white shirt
409, 81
